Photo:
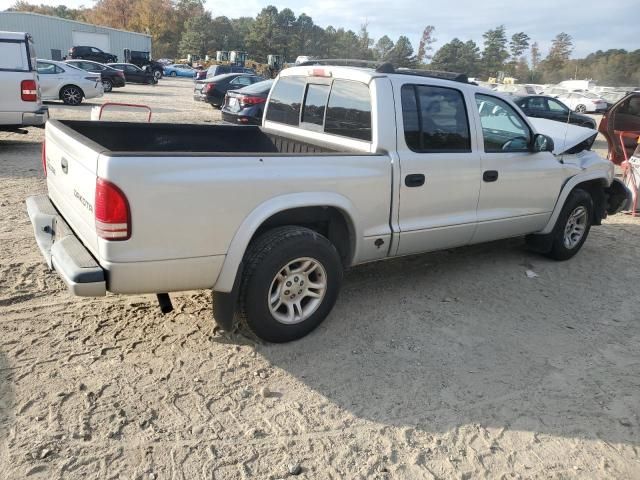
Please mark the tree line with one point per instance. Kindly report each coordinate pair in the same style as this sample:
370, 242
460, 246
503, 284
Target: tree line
182, 27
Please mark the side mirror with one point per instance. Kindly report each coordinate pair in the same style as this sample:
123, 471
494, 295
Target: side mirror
542, 143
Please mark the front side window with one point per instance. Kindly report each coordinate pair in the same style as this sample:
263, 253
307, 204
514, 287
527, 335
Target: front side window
502, 128
349, 110
286, 99
435, 119
315, 102
537, 103
556, 106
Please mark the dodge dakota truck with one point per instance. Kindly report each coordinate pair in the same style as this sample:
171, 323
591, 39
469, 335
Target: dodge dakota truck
351, 165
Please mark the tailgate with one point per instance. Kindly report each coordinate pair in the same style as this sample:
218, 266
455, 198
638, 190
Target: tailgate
72, 162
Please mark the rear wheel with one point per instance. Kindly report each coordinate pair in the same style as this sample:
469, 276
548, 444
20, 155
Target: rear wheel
107, 85
173, 74
581, 108
71, 95
157, 74
291, 280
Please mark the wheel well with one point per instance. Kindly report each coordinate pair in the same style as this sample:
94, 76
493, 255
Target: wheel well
70, 85
331, 222
595, 188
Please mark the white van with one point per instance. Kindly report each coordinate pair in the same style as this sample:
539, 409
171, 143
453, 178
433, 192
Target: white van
20, 102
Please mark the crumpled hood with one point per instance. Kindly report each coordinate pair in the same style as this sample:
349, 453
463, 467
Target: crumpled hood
564, 135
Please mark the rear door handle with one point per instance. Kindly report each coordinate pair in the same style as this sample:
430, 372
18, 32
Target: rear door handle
65, 165
414, 180
490, 176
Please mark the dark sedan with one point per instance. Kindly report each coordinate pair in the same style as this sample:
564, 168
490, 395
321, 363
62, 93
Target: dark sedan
212, 90
541, 106
135, 74
246, 106
111, 77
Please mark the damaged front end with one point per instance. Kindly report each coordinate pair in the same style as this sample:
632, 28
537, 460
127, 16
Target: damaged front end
572, 148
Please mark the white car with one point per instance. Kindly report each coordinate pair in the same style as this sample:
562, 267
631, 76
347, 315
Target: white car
582, 102
61, 81
20, 102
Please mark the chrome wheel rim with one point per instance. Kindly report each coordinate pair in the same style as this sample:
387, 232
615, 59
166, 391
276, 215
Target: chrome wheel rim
297, 290
72, 96
575, 227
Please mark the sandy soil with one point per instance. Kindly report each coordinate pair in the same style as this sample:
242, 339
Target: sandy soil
447, 365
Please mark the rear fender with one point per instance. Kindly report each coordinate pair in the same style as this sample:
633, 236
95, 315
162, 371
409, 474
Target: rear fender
266, 210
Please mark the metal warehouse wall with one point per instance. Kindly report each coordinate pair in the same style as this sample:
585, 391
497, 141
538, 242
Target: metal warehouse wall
57, 33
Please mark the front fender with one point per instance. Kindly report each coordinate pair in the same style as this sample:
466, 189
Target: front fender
264, 211
566, 190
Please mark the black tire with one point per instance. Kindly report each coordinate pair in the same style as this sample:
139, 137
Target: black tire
265, 258
71, 95
173, 74
555, 246
107, 85
157, 74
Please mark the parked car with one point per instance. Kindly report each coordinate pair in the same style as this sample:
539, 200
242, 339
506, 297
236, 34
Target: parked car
135, 74
246, 106
111, 77
91, 53
179, 70
143, 60
612, 97
541, 106
554, 91
61, 81
582, 102
350, 165
20, 96
623, 116
215, 70
212, 90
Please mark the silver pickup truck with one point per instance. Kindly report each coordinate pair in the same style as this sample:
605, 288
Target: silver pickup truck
351, 165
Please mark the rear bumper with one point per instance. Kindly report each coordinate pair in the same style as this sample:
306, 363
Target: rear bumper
37, 118
63, 251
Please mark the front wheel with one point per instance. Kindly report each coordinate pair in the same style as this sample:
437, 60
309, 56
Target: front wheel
107, 85
157, 74
571, 228
292, 276
71, 95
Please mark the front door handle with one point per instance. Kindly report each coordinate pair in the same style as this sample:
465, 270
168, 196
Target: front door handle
414, 180
490, 176
65, 165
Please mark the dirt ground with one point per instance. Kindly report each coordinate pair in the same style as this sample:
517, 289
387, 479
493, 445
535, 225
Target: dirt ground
448, 365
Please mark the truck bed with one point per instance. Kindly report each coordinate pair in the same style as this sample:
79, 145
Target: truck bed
158, 138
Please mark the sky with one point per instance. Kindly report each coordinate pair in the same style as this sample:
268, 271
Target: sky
594, 25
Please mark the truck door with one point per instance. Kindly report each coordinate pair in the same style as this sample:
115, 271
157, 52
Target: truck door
519, 188
439, 166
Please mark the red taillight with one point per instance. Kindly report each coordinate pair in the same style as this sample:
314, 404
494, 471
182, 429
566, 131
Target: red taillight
44, 158
29, 91
113, 218
247, 100
120, 73
208, 87
319, 72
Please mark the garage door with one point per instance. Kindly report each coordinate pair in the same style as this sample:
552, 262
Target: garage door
98, 40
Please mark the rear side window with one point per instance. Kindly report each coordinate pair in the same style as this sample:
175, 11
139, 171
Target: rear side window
349, 110
314, 104
13, 56
286, 99
435, 119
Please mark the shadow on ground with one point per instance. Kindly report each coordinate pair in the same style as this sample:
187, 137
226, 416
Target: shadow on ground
6, 400
465, 337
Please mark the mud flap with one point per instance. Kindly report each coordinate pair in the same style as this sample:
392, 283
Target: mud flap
224, 304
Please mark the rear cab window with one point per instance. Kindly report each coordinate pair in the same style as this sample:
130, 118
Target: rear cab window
339, 107
14, 56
